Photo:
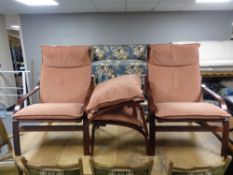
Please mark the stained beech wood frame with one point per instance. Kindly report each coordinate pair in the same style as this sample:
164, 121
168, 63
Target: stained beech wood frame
202, 127
18, 123
141, 129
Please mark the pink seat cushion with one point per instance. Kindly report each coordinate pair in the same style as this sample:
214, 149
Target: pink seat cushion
47, 111
119, 114
115, 91
189, 110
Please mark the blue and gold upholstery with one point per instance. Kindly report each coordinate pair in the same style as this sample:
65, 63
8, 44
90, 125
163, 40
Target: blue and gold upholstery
110, 61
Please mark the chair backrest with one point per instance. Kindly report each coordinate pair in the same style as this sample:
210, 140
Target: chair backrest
142, 169
173, 73
208, 170
28, 169
110, 61
4, 140
65, 74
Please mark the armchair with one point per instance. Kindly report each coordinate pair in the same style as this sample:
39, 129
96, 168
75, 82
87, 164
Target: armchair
65, 86
174, 93
111, 61
118, 103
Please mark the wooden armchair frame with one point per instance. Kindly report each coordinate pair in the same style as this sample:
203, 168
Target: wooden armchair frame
141, 129
17, 128
203, 123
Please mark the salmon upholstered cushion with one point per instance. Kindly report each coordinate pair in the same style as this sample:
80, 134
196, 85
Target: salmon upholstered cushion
65, 56
173, 73
50, 111
65, 74
189, 110
115, 91
174, 54
123, 114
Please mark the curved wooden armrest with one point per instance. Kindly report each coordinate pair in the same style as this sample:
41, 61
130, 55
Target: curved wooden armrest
24, 97
217, 97
149, 97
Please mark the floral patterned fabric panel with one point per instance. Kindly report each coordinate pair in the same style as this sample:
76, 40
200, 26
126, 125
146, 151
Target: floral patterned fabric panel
105, 70
110, 61
101, 52
129, 52
119, 52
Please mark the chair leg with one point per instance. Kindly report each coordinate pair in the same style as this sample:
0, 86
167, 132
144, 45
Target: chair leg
225, 137
16, 138
86, 136
151, 135
147, 145
93, 138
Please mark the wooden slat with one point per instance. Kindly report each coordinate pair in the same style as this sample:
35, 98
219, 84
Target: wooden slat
188, 128
41, 128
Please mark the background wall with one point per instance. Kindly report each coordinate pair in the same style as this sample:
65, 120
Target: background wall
6, 64
119, 28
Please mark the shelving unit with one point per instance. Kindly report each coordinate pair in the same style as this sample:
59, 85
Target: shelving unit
22, 88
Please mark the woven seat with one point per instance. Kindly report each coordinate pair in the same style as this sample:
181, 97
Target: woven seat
144, 168
27, 168
204, 170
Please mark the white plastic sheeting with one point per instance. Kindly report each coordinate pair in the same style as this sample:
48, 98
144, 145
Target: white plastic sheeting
214, 54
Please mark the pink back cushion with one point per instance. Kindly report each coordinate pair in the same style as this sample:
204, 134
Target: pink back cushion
115, 91
173, 73
65, 74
